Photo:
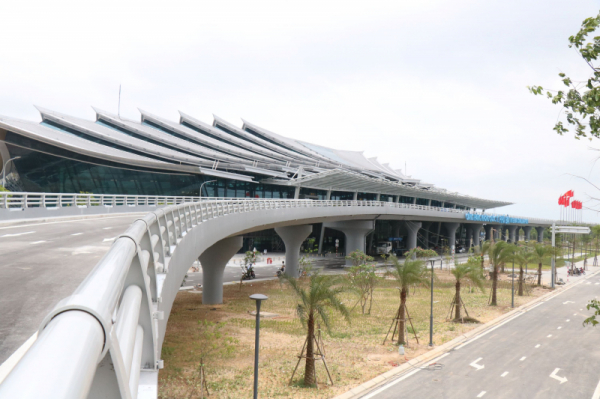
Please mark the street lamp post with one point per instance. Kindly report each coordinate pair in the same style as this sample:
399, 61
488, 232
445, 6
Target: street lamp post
258, 298
513, 281
202, 185
431, 311
4, 170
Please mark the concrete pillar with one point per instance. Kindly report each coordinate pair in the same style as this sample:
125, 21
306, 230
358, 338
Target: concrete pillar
540, 231
328, 195
412, 230
428, 202
414, 200
378, 197
451, 229
293, 237
355, 197
512, 230
469, 230
527, 230
297, 193
213, 261
476, 229
488, 232
355, 231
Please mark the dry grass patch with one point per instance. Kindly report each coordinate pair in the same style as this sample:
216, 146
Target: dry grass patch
354, 352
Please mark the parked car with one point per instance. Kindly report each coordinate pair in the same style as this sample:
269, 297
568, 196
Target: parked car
384, 248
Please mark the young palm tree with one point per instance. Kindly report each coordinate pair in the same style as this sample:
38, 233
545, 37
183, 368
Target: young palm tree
521, 258
406, 274
467, 271
320, 296
539, 254
499, 253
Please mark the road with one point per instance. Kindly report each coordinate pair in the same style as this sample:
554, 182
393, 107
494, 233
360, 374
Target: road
542, 353
41, 263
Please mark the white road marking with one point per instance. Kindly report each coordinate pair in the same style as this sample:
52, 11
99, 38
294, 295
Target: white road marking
564, 303
504, 374
37, 242
568, 320
17, 234
477, 366
405, 376
107, 228
537, 346
574, 314
597, 392
109, 239
561, 379
549, 335
12, 361
489, 331
559, 328
523, 358
589, 282
481, 394
76, 234
596, 283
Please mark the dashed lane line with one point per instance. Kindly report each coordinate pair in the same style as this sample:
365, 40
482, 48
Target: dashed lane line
537, 346
559, 327
481, 394
76, 234
504, 374
523, 358
37, 242
17, 234
549, 335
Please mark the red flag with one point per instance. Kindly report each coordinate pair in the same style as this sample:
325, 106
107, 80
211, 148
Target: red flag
569, 193
567, 200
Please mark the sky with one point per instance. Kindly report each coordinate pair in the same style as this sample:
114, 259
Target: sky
438, 86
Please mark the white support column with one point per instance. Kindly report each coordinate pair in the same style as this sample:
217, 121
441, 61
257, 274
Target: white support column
355, 198
511, 231
213, 261
322, 236
527, 230
355, 231
378, 197
412, 229
476, 229
414, 200
540, 231
297, 193
293, 237
451, 229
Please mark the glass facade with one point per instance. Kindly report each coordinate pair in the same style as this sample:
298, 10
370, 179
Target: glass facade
312, 193
342, 196
422, 201
406, 200
436, 203
42, 172
387, 198
367, 196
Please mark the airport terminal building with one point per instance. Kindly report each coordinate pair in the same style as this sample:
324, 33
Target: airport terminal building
158, 156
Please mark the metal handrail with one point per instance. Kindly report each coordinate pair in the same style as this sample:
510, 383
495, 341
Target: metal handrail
24, 200
115, 310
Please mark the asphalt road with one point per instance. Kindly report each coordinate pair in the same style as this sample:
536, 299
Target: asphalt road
542, 353
41, 263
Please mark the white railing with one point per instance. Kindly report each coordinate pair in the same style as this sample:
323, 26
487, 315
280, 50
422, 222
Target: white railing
20, 201
104, 339
25, 200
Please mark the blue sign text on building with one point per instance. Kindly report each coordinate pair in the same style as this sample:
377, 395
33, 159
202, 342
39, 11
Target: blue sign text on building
504, 219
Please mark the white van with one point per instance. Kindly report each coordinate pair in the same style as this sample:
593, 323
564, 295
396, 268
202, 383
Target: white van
384, 248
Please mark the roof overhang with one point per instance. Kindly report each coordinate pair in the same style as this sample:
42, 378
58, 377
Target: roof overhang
343, 180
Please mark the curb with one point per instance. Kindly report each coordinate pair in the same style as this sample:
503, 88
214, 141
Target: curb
423, 359
58, 219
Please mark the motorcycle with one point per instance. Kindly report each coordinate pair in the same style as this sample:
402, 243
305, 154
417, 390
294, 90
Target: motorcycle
248, 273
280, 272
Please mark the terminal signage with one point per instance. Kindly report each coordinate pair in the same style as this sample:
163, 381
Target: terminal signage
395, 239
504, 219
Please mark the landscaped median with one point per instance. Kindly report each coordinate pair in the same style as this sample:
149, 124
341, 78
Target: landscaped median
223, 336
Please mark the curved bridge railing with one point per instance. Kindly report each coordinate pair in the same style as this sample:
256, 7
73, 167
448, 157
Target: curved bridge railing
105, 339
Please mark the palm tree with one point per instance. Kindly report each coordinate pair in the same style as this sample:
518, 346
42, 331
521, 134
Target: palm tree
406, 274
499, 253
521, 258
466, 271
320, 295
485, 250
539, 254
